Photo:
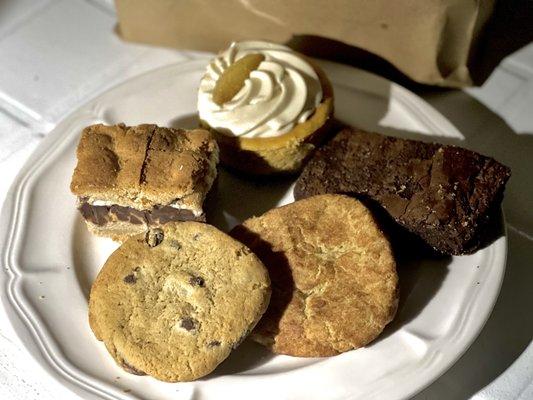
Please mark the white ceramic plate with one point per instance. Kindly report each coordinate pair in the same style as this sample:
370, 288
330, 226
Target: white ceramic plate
50, 261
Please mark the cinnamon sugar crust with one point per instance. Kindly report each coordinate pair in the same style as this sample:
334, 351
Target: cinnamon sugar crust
334, 280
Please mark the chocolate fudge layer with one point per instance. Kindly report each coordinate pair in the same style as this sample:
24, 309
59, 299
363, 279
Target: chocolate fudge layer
142, 176
101, 215
446, 195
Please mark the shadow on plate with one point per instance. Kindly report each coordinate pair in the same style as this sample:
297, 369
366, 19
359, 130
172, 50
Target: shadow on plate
188, 121
508, 332
247, 356
81, 253
487, 133
371, 110
250, 355
420, 279
239, 198
89, 254
421, 272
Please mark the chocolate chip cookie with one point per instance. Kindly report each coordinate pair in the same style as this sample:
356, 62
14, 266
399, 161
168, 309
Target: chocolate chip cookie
173, 303
334, 281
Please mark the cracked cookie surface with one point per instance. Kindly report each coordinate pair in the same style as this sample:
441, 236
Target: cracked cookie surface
145, 165
334, 281
174, 302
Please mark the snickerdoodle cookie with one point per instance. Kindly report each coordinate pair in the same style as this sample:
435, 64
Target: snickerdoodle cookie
334, 281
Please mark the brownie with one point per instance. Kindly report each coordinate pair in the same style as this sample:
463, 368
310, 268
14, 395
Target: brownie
446, 195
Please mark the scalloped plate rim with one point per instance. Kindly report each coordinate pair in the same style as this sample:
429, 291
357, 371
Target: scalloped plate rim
19, 311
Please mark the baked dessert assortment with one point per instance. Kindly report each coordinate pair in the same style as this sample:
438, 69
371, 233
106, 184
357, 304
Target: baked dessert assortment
446, 195
174, 302
179, 295
333, 275
268, 107
130, 178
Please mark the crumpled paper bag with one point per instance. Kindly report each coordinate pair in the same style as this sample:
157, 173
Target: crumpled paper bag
430, 41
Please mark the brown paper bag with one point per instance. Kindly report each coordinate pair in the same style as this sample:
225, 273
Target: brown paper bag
430, 41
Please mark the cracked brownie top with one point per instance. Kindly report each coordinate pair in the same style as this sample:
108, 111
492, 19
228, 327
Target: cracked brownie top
445, 194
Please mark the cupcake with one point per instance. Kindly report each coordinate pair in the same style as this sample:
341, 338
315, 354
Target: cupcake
267, 106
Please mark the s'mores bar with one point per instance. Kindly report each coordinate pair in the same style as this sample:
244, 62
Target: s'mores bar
129, 179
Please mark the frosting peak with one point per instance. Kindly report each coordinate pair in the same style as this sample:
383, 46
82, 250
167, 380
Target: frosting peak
284, 90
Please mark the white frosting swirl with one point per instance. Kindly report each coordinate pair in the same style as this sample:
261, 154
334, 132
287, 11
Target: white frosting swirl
283, 91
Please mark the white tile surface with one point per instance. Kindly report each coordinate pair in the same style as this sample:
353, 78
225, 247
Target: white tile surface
66, 54
14, 135
107, 6
517, 383
521, 59
13, 13
20, 376
509, 90
497, 90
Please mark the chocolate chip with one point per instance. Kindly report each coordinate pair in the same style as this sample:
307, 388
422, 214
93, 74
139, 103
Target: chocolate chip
241, 339
197, 281
196, 236
188, 324
319, 303
130, 279
175, 244
243, 251
214, 343
154, 237
131, 369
